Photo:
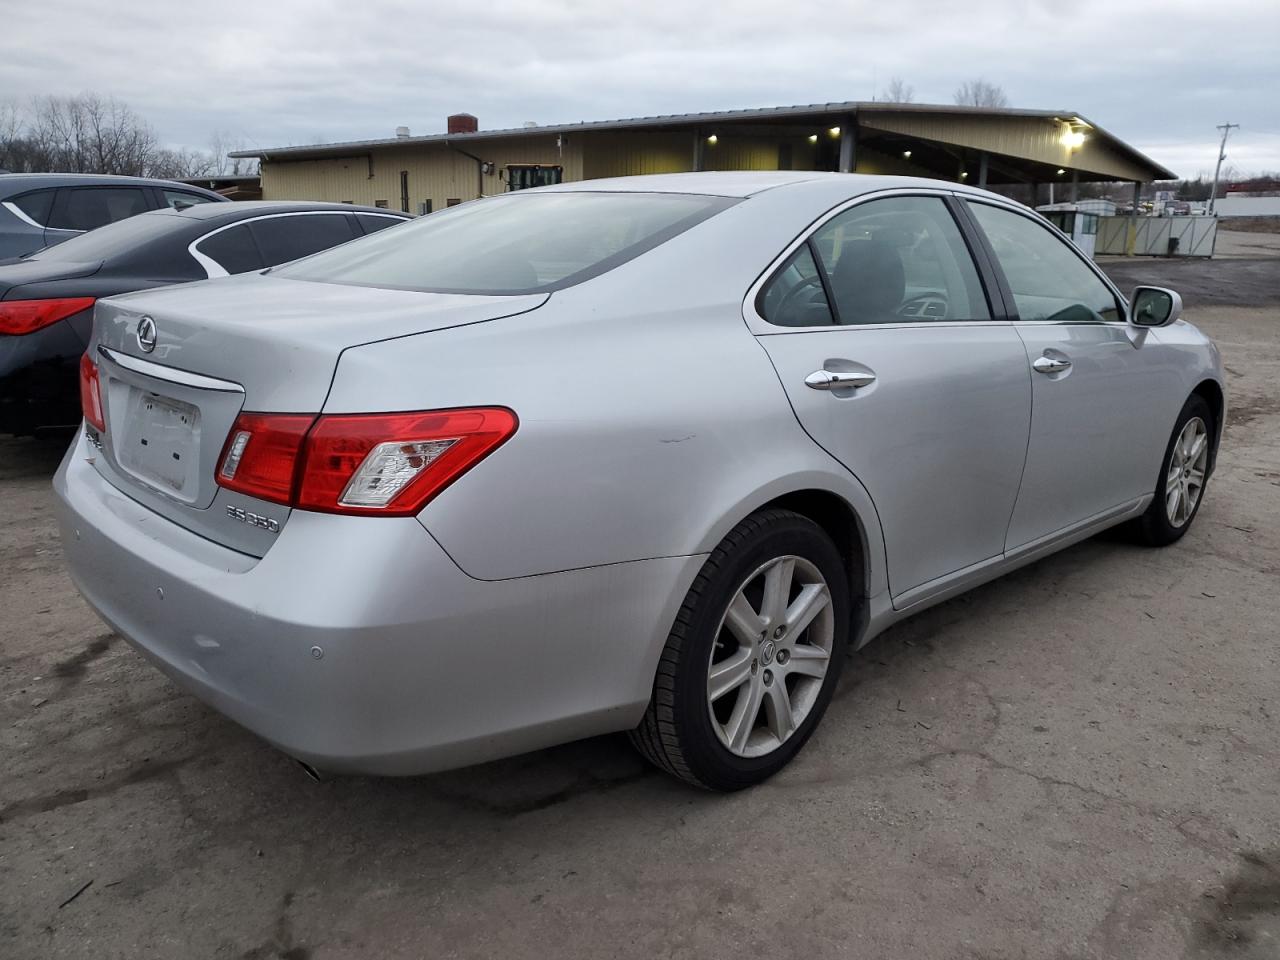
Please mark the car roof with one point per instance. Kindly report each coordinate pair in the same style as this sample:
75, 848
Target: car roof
13, 183
746, 183
259, 208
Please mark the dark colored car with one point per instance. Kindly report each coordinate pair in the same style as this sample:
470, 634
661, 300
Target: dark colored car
47, 298
41, 209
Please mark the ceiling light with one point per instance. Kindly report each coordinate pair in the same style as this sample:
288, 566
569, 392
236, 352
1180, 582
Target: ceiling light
834, 131
964, 174
1061, 171
713, 139
813, 138
1071, 139
906, 153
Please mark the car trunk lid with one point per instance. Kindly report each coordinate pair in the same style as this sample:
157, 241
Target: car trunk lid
178, 365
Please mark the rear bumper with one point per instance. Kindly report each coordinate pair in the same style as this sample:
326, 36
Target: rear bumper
39, 379
357, 645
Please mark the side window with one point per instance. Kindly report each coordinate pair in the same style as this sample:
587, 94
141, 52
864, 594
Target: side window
899, 260
232, 249
180, 198
795, 295
372, 224
282, 239
36, 205
87, 208
1048, 278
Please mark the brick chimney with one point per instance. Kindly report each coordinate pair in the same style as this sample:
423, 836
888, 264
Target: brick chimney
463, 123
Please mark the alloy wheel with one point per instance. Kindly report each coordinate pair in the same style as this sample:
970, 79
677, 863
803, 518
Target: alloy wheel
1187, 467
771, 653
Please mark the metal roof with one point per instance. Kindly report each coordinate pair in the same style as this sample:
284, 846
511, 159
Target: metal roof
794, 112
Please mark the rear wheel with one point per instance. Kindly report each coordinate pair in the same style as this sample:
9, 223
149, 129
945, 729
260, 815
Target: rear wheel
1183, 476
753, 657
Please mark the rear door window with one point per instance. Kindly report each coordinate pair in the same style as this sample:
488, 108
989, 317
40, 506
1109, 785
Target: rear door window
35, 206
372, 223
181, 198
282, 239
87, 208
232, 249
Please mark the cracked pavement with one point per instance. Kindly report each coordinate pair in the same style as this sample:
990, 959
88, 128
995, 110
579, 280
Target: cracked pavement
1080, 760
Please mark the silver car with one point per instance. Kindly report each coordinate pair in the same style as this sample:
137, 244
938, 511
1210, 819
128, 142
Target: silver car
648, 454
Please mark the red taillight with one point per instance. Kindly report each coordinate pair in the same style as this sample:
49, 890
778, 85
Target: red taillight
261, 454
91, 394
384, 464
18, 317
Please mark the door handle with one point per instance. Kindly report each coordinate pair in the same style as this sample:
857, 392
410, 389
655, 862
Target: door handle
1049, 364
837, 379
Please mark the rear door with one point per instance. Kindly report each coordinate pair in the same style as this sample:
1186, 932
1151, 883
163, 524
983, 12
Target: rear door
1102, 403
881, 331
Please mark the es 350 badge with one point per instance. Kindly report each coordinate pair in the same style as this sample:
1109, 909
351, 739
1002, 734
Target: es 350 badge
253, 519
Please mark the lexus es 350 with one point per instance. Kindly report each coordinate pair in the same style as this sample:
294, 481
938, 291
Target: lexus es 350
642, 455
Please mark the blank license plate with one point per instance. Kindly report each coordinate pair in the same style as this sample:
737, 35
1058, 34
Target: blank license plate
162, 442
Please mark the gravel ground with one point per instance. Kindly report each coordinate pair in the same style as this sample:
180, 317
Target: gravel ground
1078, 761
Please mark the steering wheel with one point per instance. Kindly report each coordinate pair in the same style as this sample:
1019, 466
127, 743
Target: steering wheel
791, 300
932, 305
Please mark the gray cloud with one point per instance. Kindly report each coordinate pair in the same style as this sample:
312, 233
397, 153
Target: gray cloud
1159, 73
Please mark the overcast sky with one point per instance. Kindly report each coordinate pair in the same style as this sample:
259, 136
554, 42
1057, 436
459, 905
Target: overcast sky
1157, 73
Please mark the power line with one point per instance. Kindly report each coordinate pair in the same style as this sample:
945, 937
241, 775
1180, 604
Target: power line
1222, 155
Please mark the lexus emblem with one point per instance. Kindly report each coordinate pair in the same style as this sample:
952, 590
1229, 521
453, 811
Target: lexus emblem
146, 334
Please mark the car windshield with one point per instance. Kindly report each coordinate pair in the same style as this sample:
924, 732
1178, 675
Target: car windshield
113, 239
532, 243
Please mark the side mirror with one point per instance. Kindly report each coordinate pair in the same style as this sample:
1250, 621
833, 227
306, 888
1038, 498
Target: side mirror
1154, 307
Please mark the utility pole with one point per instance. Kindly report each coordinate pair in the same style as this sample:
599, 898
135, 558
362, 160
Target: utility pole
1222, 155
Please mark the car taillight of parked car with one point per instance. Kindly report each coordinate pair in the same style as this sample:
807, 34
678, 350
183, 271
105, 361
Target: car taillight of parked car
20, 317
91, 394
382, 464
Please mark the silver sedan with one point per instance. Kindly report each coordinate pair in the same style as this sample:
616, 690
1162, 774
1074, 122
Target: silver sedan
649, 454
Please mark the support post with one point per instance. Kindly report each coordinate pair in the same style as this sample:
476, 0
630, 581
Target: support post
848, 144
699, 148
1132, 240
982, 170
1075, 186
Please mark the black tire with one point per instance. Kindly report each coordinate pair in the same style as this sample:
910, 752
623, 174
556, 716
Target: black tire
676, 734
1154, 528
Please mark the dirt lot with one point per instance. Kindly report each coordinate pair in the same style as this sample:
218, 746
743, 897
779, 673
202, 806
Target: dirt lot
1079, 761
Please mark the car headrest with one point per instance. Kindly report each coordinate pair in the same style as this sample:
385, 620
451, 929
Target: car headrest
869, 283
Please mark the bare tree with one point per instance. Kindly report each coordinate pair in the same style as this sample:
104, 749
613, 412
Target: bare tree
93, 134
223, 143
980, 93
90, 134
899, 91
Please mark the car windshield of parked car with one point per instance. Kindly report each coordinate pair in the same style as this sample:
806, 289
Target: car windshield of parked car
532, 243
113, 239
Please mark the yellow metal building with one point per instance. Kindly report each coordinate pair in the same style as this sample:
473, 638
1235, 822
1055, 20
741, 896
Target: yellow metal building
971, 144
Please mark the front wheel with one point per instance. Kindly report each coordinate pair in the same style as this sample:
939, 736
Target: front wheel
1183, 476
753, 657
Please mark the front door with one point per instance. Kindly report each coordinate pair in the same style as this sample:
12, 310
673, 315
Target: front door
1100, 398
887, 349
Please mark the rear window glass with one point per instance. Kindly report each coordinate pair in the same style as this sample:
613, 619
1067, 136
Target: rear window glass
530, 243
114, 239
